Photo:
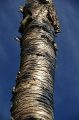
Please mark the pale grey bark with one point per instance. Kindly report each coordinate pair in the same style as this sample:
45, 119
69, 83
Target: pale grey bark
33, 95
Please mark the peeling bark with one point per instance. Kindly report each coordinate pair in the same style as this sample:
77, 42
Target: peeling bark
33, 95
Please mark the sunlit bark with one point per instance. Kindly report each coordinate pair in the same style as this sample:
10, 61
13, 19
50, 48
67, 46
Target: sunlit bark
33, 94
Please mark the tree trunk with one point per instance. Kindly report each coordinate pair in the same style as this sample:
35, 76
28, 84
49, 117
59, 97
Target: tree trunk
33, 95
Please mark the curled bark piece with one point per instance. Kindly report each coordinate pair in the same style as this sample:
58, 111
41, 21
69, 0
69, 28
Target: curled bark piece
18, 39
21, 9
47, 1
25, 21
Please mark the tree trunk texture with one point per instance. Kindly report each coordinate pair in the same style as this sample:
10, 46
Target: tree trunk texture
33, 95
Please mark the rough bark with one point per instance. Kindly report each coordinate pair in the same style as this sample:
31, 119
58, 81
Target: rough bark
33, 95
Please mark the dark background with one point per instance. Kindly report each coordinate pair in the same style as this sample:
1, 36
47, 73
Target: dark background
66, 100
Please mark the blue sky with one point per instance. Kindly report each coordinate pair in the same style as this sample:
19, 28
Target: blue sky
66, 101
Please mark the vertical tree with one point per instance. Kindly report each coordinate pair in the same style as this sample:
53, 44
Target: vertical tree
33, 94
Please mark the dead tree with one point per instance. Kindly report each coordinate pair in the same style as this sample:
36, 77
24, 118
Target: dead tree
33, 95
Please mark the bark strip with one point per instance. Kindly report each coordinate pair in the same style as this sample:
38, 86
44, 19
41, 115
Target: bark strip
33, 95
